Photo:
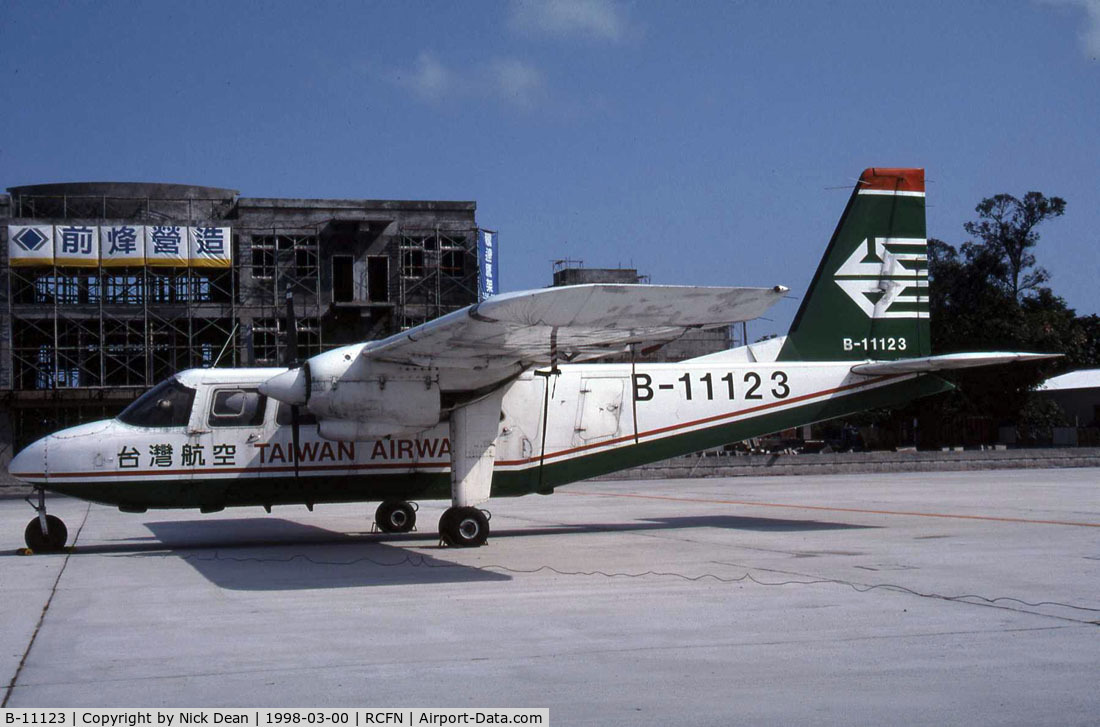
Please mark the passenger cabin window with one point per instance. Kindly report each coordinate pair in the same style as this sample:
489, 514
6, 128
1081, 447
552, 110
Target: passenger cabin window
237, 408
168, 404
284, 418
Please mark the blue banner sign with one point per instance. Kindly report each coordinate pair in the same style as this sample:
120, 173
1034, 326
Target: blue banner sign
488, 264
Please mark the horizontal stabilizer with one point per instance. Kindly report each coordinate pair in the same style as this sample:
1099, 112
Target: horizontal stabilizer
946, 362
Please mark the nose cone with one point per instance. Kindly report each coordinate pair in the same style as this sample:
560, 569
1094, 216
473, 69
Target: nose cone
30, 464
289, 387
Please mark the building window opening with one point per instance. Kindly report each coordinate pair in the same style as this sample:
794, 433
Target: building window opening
169, 287
309, 337
378, 279
125, 287
266, 333
452, 262
305, 259
412, 263
44, 378
263, 258
343, 278
44, 289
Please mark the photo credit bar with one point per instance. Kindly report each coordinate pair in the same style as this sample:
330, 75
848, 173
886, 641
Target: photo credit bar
359, 717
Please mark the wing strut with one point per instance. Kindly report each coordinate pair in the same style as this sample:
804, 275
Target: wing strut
633, 398
554, 371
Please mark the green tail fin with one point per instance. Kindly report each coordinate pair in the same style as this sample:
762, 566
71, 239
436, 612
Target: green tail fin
869, 297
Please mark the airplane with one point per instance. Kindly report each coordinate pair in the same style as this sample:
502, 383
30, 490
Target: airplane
507, 397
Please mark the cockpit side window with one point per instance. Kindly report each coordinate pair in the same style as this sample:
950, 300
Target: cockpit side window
237, 408
168, 404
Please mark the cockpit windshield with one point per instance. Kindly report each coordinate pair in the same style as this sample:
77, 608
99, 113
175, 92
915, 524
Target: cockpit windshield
168, 404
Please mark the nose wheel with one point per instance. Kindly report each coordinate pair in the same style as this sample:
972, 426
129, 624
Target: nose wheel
45, 533
464, 527
394, 516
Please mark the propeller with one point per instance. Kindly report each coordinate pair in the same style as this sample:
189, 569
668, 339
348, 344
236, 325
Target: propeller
291, 360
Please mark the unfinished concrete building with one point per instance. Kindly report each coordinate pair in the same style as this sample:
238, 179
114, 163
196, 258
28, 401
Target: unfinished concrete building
111, 287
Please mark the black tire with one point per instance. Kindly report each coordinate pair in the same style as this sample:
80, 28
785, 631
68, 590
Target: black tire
395, 517
464, 527
445, 525
40, 542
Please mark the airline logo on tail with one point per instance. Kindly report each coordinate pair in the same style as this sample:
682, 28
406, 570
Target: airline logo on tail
887, 277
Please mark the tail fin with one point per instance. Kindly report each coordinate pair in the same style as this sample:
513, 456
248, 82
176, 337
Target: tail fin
869, 297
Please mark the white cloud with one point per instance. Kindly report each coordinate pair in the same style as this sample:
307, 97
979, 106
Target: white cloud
428, 79
593, 19
1090, 34
516, 82
509, 80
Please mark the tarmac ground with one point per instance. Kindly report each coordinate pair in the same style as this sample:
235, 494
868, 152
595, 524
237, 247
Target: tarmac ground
919, 598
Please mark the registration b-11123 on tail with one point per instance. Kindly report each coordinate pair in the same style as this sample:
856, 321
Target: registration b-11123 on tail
507, 397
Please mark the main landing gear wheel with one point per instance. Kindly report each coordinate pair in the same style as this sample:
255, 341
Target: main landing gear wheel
464, 527
395, 516
49, 542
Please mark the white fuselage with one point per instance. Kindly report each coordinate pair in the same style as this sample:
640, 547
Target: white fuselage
589, 412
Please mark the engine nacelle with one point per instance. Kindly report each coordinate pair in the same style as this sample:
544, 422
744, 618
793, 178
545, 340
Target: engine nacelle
357, 399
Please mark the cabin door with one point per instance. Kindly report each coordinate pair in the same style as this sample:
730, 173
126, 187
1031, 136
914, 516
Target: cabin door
599, 410
227, 451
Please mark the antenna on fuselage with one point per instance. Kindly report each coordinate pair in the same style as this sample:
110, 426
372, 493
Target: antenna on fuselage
228, 340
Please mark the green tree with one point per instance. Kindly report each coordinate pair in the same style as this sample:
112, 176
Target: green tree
990, 294
1006, 229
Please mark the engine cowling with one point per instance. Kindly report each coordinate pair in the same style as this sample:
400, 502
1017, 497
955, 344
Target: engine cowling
356, 398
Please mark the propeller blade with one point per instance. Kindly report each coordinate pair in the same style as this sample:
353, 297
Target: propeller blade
291, 359
294, 436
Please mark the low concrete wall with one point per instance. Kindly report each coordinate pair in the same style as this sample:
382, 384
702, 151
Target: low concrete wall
857, 462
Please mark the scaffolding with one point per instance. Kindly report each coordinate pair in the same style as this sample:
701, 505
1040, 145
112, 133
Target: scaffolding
107, 207
280, 261
436, 272
110, 327
80, 343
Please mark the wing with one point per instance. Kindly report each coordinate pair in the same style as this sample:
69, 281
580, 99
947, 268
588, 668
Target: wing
946, 362
394, 385
571, 323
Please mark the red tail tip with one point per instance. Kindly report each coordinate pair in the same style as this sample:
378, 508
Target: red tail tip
894, 180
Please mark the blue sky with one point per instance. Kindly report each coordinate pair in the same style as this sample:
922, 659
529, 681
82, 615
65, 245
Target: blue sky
705, 143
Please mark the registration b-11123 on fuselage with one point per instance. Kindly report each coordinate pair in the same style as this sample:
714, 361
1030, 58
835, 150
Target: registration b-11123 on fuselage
507, 398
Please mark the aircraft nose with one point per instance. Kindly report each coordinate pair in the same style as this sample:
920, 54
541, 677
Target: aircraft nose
289, 387
30, 464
